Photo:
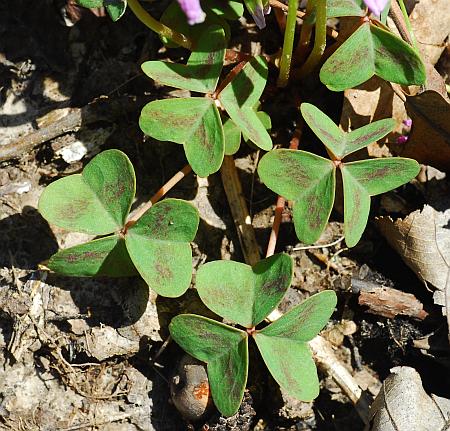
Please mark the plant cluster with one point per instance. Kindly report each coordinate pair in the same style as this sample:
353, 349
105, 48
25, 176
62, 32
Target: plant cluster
210, 124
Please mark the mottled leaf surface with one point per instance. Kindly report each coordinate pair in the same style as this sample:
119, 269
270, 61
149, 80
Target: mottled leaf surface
283, 345
338, 8
291, 365
241, 293
367, 178
193, 122
102, 257
202, 70
97, 201
158, 244
369, 51
342, 144
224, 349
241, 95
306, 179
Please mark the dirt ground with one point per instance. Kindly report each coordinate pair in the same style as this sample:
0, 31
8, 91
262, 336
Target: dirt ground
79, 354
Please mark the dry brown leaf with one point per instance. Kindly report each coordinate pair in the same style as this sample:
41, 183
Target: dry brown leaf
429, 142
403, 405
376, 99
423, 241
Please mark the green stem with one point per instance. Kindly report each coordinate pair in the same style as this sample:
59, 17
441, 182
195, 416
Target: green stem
320, 39
407, 22
305, 34
158, 27
288, 44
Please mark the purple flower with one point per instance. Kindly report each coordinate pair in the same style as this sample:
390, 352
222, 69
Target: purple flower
193, 11
407, 122
402, 139
376, 6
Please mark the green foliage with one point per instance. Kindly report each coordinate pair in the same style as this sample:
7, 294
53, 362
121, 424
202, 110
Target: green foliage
195, 122
233, 135
98, 202
309, 180
223, 348
246, 295
115, 8
370, 51
261, 288
217, 12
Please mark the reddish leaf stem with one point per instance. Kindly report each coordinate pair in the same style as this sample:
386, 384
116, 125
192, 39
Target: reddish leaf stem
281, 201
134, 217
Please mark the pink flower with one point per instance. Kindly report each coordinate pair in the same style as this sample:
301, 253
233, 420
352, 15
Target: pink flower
193, 11
376, 6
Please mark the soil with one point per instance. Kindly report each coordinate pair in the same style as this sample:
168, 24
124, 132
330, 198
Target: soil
85, 354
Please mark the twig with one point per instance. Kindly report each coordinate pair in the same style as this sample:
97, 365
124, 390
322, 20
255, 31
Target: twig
135, 215
103, 108
239, 211
327, 361
387, 302
309, 247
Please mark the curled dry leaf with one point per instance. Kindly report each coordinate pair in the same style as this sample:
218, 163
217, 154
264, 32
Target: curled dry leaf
423, 241
403, 405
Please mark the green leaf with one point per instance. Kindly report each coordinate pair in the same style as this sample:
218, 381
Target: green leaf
306, 179
97, 201
202, 71
266, 122
230, 9
367, 178
232, 135
241, 95
115, 8
243, 294
256, 9
283, 345
224, 349
158, 244
372, 51
338, 8
102, 257
195, 123
342, 144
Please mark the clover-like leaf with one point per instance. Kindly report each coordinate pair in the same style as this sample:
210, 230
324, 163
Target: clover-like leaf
115, 8
306, 179
232, 135
193, 122
370, 51
158, 244
283, 345
243, 294
96, 201
367, 178
338, 8
202, 70
231, 9
101, 257
241, 95
223, 348
342, 144
175, 18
